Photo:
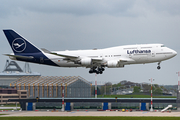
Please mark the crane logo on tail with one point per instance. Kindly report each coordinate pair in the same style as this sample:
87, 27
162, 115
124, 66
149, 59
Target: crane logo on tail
19, 45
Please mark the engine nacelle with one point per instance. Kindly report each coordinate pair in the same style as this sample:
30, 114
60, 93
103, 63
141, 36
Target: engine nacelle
86, 61
114, 64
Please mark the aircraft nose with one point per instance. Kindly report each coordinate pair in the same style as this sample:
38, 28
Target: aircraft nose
174, 53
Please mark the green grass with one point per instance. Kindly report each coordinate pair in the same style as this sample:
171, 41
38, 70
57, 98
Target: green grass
134, 96
90, 118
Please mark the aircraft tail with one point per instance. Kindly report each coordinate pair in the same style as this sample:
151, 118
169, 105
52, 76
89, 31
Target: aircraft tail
19, 44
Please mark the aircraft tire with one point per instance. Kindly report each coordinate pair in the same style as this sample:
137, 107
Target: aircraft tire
158, 67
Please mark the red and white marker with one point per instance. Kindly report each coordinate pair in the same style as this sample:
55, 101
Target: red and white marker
96, 86
151, 96
63, 96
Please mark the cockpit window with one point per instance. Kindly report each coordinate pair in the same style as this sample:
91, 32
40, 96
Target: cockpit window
162, 45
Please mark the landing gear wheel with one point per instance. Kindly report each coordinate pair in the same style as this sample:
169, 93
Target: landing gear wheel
102, 69
96, 70
158, 67
90, 71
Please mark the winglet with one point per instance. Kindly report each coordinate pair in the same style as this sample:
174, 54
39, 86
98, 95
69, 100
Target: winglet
45, 50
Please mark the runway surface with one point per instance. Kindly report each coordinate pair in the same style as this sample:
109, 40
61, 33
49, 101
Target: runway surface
88, 113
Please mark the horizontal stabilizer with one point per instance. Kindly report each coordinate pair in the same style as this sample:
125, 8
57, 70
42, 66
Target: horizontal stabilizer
19, 56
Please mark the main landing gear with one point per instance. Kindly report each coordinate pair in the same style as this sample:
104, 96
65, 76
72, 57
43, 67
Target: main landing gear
98, 70
159, 67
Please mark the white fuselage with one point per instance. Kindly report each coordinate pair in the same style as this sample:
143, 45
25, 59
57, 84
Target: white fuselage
129, 54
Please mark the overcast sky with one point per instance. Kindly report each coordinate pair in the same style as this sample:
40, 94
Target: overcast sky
88, 24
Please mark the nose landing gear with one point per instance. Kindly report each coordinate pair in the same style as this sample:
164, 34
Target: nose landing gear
159, 67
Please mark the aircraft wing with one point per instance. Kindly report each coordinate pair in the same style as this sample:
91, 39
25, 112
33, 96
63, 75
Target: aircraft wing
95, 60
61, 55
72, 57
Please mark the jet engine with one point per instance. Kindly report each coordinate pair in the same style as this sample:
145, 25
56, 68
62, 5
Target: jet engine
86, 61
114, 64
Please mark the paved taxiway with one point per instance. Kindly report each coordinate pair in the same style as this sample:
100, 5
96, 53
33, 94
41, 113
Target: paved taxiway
88, 113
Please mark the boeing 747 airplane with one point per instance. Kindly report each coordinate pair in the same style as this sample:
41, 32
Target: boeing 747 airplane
95, 59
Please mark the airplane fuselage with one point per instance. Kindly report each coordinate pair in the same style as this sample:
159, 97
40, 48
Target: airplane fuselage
137, 54
96, 59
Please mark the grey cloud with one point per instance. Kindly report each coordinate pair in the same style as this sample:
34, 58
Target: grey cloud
83, 7
168, 6
128, 8
76, 7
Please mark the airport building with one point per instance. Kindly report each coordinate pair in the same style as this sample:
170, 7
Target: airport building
52, 86
43, 86
6, 94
